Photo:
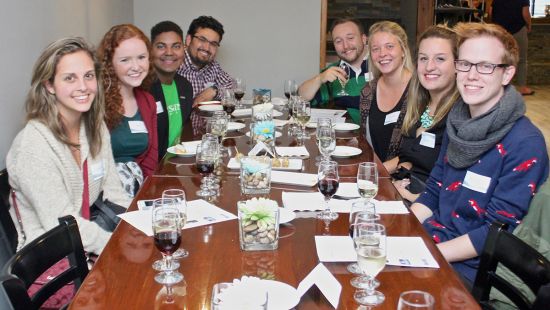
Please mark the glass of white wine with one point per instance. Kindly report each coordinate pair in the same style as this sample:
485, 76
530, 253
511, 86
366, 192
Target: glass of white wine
343, 83
302, 115
370, 245
367, 180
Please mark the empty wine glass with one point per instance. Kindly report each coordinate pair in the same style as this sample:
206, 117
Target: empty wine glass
291, 88
328, 182
178, 195
361, 212
217, 125
326, 140
343, 83
416, 300
167, 235
367, 180
205, 160
370, 245
239, 91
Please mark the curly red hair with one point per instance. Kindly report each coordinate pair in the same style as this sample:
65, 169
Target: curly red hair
113, 99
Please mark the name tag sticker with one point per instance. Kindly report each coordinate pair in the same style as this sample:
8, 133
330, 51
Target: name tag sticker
428, 139
391, 118
137, 127
97, 170
159, 107
476, 182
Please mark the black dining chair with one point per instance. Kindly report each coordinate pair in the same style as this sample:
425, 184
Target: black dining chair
39, 255
8, 232
502, 247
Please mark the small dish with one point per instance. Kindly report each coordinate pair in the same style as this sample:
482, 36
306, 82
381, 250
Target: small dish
210, 102
185, 149
211, 108
345, 126
346, 151
234, 126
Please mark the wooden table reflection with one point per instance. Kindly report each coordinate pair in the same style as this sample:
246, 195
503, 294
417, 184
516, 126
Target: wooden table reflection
122, 278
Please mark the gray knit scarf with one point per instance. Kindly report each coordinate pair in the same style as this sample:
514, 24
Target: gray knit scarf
470, 137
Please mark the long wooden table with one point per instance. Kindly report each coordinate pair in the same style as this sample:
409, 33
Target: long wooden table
122, 278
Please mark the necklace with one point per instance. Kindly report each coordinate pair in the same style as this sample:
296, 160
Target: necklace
426, 120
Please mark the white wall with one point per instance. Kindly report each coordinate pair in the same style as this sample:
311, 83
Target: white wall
26, 27
265, 42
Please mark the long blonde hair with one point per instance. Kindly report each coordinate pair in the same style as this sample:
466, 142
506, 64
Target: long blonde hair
42, 105
419, 97
396, 30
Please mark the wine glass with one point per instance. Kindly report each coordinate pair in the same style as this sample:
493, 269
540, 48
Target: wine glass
239, 90
167, 235
416, 300
178, 195
370, 245
217, 125
161, 265
367, 180
361, 212
228, 100
291, 88
326, 140
328, 182
343, 83
205, 161
302, 114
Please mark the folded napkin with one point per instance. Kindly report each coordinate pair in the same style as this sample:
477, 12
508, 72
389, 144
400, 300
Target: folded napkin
299, 151
348, 190
293, 178
400, 251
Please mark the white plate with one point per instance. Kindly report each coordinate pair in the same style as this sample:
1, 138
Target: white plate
242, 112
345, 126
211, 108
210, 102
281, 295
185, 149
279, 101
277, 134
311, 125
346, 151
293, 178
293, 164
234, 126
286, 215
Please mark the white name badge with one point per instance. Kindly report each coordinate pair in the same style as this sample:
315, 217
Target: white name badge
476, 182
428, 139
159, 107
97, 170
137, 127
391, 118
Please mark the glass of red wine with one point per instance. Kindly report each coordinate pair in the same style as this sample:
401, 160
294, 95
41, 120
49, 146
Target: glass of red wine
239, 90
228, 100
291, 89
167, 235
205, 161
328, 181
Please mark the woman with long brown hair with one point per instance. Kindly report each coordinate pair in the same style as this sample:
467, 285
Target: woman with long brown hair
130, 111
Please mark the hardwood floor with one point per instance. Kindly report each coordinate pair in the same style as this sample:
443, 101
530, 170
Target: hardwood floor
538, 110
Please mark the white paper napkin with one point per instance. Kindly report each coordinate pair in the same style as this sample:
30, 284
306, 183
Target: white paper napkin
199, 213
348, 190
292, 151
401, 251
293, 178
325, 281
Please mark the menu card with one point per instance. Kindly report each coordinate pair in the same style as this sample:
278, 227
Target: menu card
199, 213
325, 281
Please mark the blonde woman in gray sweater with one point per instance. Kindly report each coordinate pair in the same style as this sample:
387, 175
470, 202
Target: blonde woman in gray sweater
64, 139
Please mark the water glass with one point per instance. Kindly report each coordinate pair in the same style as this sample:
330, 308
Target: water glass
367, 180
416, 300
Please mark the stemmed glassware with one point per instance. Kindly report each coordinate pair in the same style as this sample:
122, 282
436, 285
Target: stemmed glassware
416, 300
239, 91
328, 182
207, 154
167, 235
367, 180
217, 125
178, 195
291, 89
370, 245
343, 83
326, 140
302, 114
228, 100
361, 212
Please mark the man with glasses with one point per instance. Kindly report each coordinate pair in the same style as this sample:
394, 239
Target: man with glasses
199, 65
349, 38
492, 160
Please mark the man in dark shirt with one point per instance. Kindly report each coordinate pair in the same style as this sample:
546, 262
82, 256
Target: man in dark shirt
173, 93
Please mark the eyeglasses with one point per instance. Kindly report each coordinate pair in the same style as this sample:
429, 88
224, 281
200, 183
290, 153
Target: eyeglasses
205, 40
481, 67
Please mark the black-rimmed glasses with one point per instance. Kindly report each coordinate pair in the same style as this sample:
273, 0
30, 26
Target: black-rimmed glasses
205, 41
481, 67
